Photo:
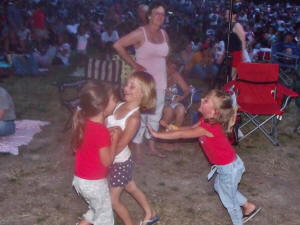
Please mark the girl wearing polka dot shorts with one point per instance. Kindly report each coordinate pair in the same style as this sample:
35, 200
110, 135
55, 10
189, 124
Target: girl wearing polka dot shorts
139, 96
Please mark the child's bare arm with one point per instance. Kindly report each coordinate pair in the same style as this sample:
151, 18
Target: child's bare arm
193, 132
107, 154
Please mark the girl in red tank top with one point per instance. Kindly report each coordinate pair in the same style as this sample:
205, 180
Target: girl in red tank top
94, 147
218, 117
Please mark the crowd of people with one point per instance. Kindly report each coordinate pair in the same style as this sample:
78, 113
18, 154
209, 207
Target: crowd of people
51, 32
185, 40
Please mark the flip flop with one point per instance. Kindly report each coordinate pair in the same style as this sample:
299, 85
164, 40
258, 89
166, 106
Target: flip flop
248, 217
150, 221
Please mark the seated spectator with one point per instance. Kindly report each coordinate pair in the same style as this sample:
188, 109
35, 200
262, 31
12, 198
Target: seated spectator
7, 113
45, 55
25, 64
63, 52
108, 37
174, 109
289, 45
24, 35
202, 65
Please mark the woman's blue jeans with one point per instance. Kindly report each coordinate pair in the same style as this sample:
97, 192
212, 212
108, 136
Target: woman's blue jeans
7, 127
226, 185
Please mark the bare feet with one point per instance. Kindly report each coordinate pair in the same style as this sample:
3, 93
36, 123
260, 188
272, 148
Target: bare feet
248, 208
167, 146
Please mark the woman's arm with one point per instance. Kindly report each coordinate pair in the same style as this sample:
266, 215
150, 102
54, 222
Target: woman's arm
193, 132
133, 38
239, 30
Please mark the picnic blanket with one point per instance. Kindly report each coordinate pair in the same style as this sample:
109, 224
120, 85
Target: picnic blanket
25, 130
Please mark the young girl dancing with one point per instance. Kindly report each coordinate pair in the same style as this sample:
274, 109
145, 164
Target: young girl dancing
94, 152
139, 95
218, 118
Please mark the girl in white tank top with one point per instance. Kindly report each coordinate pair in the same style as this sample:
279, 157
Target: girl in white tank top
139, 94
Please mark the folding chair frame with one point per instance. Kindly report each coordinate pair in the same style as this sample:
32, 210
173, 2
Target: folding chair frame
272, 119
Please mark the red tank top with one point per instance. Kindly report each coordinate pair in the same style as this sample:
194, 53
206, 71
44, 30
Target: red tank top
88, 163
218, 149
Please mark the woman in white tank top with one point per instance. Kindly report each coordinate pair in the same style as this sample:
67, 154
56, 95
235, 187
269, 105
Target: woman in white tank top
151, 46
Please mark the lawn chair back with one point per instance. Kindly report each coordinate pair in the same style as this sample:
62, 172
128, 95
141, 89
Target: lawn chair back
256, 87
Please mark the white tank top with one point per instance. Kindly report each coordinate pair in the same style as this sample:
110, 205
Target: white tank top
111, 122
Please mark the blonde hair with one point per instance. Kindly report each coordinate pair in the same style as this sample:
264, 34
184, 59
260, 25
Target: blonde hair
225, 111
147, 85
93, 99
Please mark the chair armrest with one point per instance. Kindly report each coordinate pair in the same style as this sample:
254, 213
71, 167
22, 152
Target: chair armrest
282, 90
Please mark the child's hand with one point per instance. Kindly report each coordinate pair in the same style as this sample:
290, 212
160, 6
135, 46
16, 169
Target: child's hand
152, 132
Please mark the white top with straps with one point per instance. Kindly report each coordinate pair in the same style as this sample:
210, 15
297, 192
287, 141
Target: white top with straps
111, 122
152, 56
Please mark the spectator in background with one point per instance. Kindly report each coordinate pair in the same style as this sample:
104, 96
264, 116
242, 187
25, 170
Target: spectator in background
46, 54
202, 65
237, 44
176, 92
7, 113
14, 16
108, 37
186, 55
63, 51
24, 35
39, 23
141, 13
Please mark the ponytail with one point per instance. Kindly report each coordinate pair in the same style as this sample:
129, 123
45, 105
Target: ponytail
78, 122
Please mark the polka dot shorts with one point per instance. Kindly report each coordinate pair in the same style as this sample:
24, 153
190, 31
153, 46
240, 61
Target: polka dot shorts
120, 174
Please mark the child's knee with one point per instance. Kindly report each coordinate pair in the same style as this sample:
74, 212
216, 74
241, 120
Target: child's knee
131, 187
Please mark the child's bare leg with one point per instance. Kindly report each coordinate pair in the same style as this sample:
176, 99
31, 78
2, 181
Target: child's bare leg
179, 112
140, 197
153, 150
138, 152
119, 207
248, 208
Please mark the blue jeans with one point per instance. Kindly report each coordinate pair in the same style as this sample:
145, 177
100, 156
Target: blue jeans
25, 65
226, 185
204, 72
7, 127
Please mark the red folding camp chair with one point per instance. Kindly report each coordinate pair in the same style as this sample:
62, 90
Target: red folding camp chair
261, 99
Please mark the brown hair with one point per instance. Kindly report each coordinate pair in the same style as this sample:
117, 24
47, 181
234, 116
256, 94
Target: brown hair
225, 111
147, 84
155, 5
93, 98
